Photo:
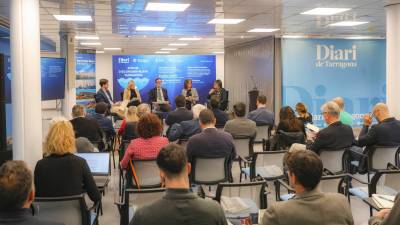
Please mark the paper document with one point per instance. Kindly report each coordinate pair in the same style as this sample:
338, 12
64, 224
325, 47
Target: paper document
233, 204
383, 201
312, 127
261, 215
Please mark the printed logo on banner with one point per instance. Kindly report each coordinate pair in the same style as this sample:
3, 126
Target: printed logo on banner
332, 57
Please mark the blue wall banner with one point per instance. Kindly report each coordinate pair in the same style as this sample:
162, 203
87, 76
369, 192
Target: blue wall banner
317, 70
173, 70
85, 80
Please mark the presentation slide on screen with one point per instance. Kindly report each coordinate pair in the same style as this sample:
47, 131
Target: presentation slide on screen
317, 70
173, 70
53, 78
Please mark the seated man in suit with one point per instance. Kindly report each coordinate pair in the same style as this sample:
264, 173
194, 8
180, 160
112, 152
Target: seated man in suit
210, 142
221, 116
105, 123
337, 135
387, 216
103, 94
240, 125
84, 126
180, 113
17, 194
179, 206
160, 95
186, 129
220, 93
262, 116
309, 206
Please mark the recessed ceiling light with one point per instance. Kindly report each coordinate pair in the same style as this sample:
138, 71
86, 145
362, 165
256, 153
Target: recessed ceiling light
218, 52
262, 30
168, 49
112, 49
86, 37
293, 36
99, 52
78, 18
169, 7
90, 43
347, 23
226, 21
162, 52
178, 44
190, 39
325, 11
149, 28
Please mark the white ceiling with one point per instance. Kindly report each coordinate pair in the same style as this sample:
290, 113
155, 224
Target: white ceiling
114, 25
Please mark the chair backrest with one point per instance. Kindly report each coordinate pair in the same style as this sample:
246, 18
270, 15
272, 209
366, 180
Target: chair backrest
243, 146
68, 210
286, 139
147, 173
250, 190
122, 148
270, 161
332, 160
210, 170
386, 182
332, 183
380, 156
263, 133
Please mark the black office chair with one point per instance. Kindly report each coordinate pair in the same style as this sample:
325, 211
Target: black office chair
284, 140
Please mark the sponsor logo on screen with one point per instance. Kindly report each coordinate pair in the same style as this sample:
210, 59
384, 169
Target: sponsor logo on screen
328, 56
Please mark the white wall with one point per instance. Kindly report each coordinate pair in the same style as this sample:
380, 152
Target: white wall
104, 68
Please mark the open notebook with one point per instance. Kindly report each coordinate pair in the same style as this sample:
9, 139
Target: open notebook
233, 204
383, 201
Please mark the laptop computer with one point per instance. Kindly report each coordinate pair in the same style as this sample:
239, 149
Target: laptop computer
99, 162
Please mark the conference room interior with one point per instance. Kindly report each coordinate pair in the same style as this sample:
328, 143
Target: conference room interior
56, 54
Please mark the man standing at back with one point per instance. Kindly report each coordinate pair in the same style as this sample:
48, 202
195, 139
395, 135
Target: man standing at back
240, 125
17, 194
309, 206
262, 116
345, 117
179, 206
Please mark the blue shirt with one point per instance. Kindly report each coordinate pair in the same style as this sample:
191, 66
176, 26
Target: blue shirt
262, 116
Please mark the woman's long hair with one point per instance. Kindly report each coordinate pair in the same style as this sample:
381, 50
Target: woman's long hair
127, 91
60, 139
289, 119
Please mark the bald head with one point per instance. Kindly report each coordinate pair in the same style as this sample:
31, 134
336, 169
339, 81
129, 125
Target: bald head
381, 111
340, 102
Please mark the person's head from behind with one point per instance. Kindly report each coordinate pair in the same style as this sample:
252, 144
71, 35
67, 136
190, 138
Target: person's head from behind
188, 84
84, 145
180, 101
207, 119
158, 82
60, 139
214, 102
217, 85
340, 102
261, 101
286, 113
301, 108
149, 126
304, 169
104, 84
196, 109
16, 186
239, 109
174, 167
101, 108
330, 112
381, 111
78, 111
142, 109
132, 114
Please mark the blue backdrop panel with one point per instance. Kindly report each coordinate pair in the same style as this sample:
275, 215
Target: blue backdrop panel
317, 70
173, 70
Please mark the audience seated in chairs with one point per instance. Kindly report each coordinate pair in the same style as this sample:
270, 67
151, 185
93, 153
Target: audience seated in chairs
84, 126
220, 116
240, 125
210, 142
129, 124
344, 117
186, 129
83, 145
262, 116
387, 216
149, 142
303, 114
290, 130
104, 122
180, 206
143, 109
17, 194
60, 172
309, 206
180, 113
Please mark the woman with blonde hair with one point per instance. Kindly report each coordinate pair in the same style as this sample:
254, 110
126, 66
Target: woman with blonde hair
131, 94
128, 126
304, 116
60, 172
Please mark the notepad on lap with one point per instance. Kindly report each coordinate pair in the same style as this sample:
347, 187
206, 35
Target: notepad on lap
233, 204
383, 201
312, 127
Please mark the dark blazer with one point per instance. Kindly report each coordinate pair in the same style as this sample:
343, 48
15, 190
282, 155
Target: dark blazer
88, 128
385, 133
211, 142
223, 101
262, 116
130, 131
335, 136
307, 119
64, 175
184, 130
180, 207
101, 96
221, 117
22, 217
153, 95
105, 124
178, 115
